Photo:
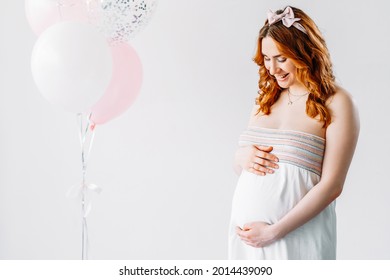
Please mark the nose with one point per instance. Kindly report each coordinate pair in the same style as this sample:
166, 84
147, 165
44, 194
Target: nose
272, 67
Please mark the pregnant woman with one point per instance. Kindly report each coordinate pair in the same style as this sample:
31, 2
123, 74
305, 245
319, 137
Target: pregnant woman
294, 156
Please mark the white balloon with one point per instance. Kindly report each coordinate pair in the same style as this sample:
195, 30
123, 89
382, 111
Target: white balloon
71, 65
42, 14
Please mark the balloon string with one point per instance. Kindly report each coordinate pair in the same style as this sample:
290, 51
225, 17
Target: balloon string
84, 123
84, 234
59, 5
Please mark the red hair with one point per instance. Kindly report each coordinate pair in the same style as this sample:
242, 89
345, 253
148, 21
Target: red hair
309, 54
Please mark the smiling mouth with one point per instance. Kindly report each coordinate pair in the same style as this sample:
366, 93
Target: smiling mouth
282, 77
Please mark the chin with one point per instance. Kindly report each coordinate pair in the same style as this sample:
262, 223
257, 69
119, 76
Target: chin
284, 84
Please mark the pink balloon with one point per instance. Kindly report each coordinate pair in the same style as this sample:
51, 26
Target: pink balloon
42, 14
124, 87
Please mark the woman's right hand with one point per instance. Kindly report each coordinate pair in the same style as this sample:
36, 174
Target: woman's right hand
256, 159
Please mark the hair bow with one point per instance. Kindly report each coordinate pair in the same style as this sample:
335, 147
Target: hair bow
287, 18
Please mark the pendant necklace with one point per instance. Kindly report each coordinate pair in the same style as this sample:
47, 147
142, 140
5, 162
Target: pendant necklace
289, 94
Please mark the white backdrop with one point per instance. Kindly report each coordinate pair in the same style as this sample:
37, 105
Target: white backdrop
165, 166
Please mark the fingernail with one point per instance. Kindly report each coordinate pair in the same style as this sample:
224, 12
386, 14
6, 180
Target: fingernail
270, 171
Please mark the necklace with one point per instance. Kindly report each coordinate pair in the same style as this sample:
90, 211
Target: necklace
289, 94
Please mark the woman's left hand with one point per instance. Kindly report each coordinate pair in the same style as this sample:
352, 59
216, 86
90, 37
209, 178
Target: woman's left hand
257, 234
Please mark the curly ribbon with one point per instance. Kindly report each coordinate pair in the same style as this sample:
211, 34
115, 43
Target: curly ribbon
86, 134
76, 191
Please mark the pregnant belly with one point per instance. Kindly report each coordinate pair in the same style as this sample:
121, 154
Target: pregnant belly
267, 198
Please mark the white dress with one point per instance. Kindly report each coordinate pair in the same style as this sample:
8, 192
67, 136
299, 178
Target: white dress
268, 198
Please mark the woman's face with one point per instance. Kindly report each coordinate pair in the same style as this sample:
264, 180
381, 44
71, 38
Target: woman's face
279, 66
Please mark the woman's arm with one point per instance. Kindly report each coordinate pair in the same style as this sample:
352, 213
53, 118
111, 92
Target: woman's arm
341, 139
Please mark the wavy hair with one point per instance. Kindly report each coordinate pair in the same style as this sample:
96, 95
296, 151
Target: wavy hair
309, 53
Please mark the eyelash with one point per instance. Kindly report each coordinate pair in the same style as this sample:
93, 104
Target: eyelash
279, 60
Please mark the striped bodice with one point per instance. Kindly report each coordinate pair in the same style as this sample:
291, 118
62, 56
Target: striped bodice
293, 147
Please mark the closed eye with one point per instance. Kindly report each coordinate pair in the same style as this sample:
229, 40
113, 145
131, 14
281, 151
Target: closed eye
279, 58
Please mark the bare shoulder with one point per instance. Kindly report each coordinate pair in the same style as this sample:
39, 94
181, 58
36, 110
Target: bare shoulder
342, 101
344, 112
255, 109
254, 115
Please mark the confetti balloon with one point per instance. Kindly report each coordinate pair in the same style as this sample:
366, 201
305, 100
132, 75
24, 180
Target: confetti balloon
120, 20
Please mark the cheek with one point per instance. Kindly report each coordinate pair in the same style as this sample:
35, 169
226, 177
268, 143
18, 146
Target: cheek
291, 68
